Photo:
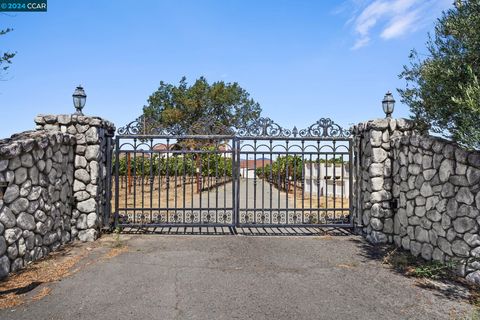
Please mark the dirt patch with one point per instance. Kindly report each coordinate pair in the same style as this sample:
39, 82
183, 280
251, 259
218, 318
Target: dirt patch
45, 291
115, 252
58, 265
325, 237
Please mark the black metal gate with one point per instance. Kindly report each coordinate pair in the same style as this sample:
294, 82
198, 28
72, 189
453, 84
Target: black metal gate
261, 175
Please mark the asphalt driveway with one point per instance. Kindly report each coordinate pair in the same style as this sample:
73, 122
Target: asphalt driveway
238, 277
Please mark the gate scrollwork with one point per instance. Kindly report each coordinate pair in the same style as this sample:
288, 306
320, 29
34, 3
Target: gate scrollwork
261, 127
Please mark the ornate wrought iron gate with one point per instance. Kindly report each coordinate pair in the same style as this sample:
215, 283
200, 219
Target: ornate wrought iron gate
261, 175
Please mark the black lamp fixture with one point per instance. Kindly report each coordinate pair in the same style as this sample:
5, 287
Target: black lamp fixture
388, 104
79, 99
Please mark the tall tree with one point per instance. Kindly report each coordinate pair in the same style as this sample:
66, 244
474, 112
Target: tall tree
201, 107
5, 57
442, 89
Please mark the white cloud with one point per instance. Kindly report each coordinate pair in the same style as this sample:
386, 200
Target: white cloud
400, 25
390, 19
361, 42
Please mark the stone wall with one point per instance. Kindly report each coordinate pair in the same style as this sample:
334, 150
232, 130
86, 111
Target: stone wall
36, 180
419, 192
90, 186
374, 179
53, 187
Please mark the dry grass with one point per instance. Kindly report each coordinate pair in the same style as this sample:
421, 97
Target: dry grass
53, 268
148, 195
314, 202
435, 276
10, 300
56, 266
163, 195
115, 252
45, 291
346, 266
117, 247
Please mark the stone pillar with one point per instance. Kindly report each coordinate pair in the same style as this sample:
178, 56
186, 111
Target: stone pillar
90, 194
374, 176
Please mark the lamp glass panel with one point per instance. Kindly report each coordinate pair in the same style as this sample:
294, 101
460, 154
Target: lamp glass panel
390, 107
77, 102
82, 101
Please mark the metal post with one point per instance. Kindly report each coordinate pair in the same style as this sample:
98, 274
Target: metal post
199, 174
350, 182
129, 173
117, 189
236, 182
108, 183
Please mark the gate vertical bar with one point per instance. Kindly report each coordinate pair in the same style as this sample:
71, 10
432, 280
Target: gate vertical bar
108, 183
236, 182
350, 180
151, 180
117, 189
234, 169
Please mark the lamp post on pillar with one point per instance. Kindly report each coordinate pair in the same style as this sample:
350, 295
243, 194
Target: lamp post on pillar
388, 104
79, 99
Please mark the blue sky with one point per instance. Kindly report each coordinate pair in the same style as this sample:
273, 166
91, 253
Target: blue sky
301, 60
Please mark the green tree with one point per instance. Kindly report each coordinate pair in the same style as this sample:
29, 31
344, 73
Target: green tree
338, 160
442, 89
201, 107
212, 164
283, 168
5, 57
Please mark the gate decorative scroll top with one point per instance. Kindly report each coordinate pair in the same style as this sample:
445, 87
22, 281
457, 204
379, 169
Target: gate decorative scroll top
261, 127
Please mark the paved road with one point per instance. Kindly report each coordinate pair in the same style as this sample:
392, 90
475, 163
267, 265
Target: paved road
250, 196
239, 277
